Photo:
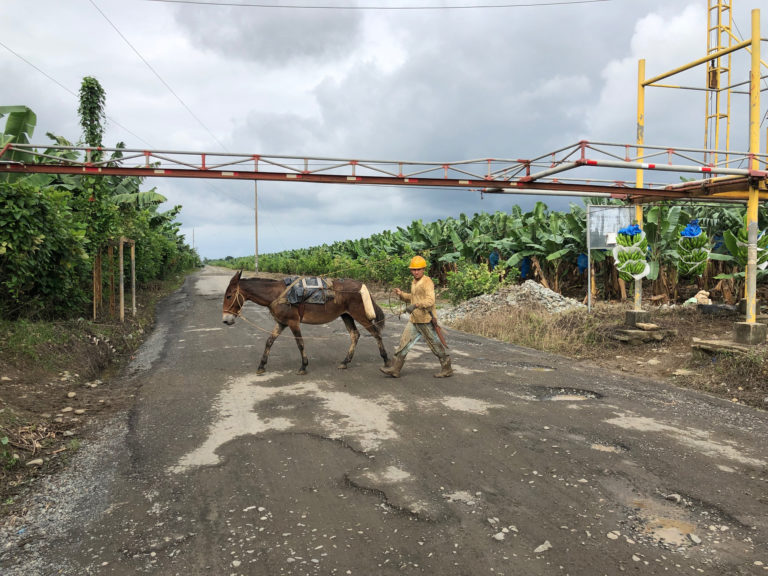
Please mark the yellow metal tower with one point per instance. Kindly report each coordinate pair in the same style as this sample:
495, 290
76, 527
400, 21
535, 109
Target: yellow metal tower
719, 38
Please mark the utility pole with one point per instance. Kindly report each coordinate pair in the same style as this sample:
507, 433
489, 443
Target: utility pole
256, 225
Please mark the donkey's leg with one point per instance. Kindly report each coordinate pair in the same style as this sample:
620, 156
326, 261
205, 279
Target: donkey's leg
354, 336
296, 329
267, 347
375, 331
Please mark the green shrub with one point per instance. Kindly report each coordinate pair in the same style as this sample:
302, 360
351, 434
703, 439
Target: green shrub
44, 270
470, 280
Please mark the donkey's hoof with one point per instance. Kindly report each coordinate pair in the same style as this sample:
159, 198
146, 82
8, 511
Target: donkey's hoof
342, 366
302, 372
260, 371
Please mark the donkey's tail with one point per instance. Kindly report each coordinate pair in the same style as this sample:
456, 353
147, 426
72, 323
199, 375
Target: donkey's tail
370, 311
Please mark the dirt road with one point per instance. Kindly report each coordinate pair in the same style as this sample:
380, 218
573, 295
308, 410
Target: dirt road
522, 463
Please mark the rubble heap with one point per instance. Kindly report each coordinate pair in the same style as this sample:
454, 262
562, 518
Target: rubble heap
527, 294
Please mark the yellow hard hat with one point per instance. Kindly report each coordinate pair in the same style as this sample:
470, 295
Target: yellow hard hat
417, 262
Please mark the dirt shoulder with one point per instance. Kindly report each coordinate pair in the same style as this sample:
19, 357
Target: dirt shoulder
58, 385
684, 358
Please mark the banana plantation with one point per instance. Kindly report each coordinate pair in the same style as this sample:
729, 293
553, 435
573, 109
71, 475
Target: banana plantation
684, 249
53, 227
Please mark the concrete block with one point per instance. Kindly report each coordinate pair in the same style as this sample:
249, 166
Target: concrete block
750, 333
633, 317
636, 337
743, 306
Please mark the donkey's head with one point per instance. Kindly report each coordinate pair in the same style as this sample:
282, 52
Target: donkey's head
233, 300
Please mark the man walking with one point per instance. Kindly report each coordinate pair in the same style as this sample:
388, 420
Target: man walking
422, 322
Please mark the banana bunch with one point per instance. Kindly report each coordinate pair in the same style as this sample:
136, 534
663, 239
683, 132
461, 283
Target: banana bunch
629, 256
629, 241
762, 247
693, 264
631, 268
694, 242
630, 253
693, 249
742, 235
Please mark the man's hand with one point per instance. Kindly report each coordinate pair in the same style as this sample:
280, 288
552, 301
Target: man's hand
397, 291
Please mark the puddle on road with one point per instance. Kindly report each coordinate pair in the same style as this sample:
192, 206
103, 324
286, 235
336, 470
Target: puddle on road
656, 519
661, 525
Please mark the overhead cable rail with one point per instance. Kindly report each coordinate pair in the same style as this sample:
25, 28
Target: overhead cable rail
577, 170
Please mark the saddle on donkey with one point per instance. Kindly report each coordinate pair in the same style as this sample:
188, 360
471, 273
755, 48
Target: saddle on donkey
307, 290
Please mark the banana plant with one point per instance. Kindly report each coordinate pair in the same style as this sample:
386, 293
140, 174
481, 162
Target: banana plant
471, 248
662, 226
737, 248
20, 123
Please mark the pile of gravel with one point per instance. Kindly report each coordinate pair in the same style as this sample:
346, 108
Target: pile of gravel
527, 294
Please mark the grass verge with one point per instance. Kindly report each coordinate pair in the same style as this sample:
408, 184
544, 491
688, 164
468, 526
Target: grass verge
576, 334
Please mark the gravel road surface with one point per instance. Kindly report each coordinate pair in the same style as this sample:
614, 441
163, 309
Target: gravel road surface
522, 463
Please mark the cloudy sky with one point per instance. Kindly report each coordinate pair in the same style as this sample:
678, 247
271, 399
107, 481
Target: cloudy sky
421, 80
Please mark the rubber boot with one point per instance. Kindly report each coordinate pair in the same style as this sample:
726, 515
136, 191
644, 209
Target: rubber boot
445, 368
394, 370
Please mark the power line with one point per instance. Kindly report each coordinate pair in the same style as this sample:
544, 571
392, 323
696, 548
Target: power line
392, 8
115, 122
60, 85
158, 76
171, 90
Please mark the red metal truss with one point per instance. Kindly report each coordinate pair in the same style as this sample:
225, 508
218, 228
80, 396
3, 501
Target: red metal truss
585, 163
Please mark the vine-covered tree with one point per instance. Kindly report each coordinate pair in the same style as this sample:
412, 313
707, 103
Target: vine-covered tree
93, 101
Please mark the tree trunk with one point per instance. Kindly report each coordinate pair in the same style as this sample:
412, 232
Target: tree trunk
539, 272
623, 289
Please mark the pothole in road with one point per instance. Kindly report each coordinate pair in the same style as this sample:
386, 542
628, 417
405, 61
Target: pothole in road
616, 449
563, 394
664, 524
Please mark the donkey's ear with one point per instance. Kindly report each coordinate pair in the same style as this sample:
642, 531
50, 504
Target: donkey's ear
239, 273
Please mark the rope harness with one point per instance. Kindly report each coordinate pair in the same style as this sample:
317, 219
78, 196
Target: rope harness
240, 300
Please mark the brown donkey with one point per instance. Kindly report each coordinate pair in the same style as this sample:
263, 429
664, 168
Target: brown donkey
351, 302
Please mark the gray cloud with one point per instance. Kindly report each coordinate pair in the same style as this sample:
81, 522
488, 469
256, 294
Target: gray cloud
271, 36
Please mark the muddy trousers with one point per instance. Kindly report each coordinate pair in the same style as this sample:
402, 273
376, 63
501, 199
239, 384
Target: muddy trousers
413, 333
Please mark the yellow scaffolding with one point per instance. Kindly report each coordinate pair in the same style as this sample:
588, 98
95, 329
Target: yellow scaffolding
718, 110
721, 44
